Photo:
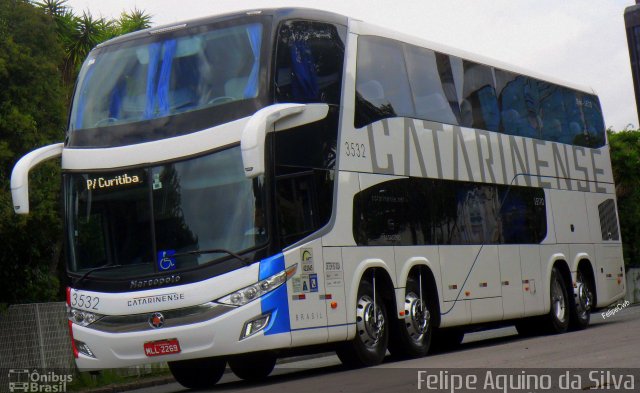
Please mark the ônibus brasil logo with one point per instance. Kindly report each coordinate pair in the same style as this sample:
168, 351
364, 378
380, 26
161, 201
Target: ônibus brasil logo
24, 380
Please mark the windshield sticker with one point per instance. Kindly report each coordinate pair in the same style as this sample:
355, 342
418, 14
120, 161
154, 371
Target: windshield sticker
166, 261
120, 180
157, 184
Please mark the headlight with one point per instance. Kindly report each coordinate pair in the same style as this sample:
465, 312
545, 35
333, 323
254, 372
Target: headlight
81, 317
252, 292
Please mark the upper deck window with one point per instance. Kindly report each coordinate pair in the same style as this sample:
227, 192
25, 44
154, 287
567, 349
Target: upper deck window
397, 79
309, 61
170, 83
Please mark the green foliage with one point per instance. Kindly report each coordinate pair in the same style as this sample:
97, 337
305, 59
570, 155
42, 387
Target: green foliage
42, 46
32, 114
79, 34
133, 21
625, 159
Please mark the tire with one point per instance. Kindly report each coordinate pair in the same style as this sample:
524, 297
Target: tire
446, 340
254, 367
198, 373
557, 321
369, 346
412, 334
583, 304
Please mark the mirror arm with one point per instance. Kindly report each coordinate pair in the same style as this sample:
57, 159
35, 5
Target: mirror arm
278, 117
20, 174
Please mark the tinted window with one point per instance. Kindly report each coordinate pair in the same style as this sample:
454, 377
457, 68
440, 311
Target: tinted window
432, 212
533, 108
382, 86
396, 79
309, 69
163, 85
479, 107
309, 62
519, 104
385, 212
432, 85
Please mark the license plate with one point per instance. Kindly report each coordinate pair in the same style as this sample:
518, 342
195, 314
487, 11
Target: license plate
162, 347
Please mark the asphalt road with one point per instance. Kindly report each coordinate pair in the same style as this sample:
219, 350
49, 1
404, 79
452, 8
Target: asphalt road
612, 343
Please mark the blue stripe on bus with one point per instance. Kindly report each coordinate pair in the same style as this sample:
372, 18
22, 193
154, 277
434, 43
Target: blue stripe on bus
275, 302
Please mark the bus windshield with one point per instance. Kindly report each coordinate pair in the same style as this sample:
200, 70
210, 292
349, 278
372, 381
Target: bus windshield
140, 218
146, 83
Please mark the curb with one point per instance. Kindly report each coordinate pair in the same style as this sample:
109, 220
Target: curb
139, 384
142, 382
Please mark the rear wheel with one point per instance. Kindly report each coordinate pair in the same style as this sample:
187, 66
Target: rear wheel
253, 367
198, 373
413, 333
581, 309
369, 346
557, 321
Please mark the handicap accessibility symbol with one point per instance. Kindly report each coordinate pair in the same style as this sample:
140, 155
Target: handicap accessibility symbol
165, 260
313, 282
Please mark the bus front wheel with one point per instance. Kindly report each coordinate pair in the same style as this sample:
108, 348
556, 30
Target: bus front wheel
413, 333
198, 373
369, 346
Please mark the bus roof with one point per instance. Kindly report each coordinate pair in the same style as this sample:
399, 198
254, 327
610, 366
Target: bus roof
355, 26
278, 13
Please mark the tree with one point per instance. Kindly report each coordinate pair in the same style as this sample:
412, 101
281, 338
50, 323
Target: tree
42, 46
133, 21
79, 34
625, 159
32, 114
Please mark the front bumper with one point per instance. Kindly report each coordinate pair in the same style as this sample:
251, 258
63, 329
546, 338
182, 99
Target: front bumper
218, 336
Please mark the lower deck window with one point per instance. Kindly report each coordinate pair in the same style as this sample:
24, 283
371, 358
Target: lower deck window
417, 211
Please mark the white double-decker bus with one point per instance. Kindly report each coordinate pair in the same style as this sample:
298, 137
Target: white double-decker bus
248, 186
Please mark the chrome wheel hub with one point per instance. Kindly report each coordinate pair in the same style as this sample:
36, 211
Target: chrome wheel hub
369, 321
416, 317
584, 298
558, 301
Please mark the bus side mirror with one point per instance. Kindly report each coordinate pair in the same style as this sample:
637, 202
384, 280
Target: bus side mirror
274, 117
20, 174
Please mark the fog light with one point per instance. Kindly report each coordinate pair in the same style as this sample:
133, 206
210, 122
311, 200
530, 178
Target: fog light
83, 348
254, 326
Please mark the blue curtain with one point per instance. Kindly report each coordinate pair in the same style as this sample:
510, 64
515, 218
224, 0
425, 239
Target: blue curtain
116, 100
165, 76
255, 39
154, 57
304, 85
82, 99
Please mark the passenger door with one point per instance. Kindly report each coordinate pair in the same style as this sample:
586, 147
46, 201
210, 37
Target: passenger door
309, 66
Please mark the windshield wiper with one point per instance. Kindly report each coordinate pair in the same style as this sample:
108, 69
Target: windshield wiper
211, 251
103, 267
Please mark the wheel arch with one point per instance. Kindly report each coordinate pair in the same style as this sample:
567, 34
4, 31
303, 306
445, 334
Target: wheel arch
558, 261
